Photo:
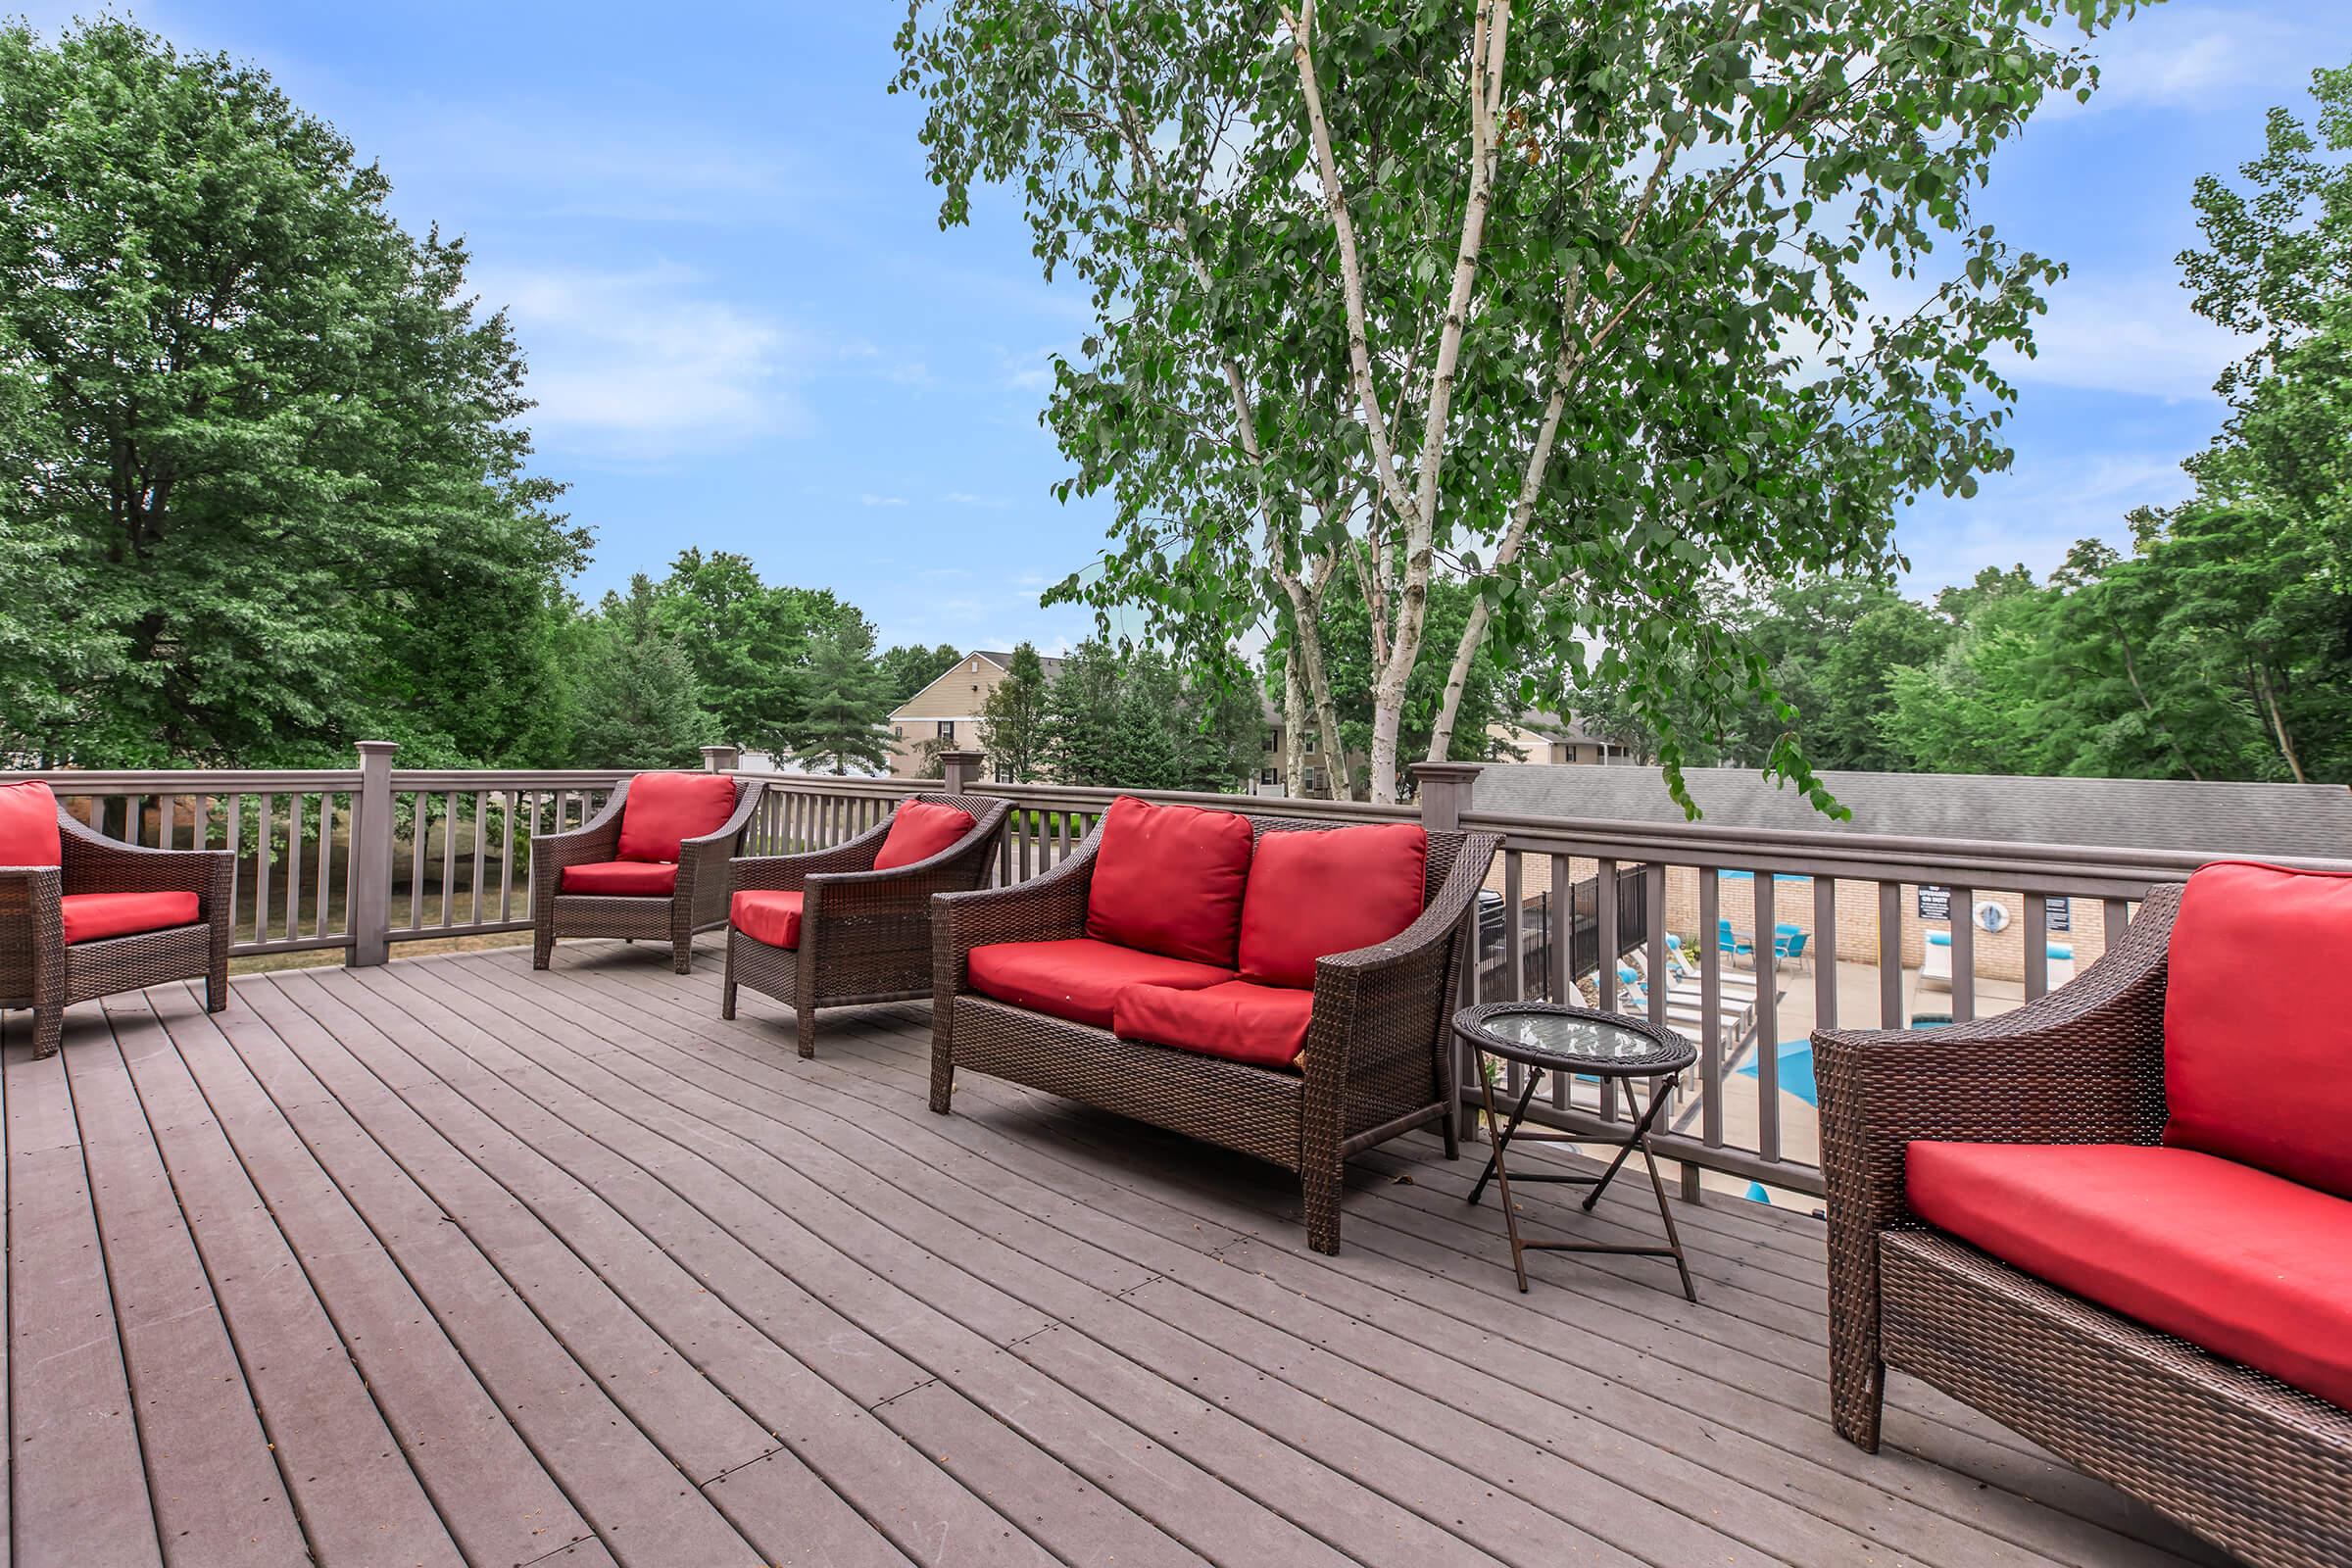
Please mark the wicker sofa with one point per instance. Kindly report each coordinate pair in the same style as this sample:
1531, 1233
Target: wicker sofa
1973, 1168
1377, 1060
597, 881
833, 928
84, 916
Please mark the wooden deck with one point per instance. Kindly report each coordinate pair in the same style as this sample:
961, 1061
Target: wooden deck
453, 1262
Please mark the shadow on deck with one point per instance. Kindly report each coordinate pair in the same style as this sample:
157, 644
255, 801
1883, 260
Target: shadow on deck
453, 1262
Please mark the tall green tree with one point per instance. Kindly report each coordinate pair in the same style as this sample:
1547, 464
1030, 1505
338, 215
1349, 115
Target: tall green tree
751, 641
637, 704
268, 482
1564, 300
845, 703
1013, 717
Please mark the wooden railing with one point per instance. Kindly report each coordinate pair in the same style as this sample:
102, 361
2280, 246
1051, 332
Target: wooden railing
364, 859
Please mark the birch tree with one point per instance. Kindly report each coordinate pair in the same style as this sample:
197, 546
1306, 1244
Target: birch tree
1581, 305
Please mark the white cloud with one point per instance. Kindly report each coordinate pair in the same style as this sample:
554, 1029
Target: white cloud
2135, 334
2186, 57
964, 498
869, 499
2035, 514
645, 365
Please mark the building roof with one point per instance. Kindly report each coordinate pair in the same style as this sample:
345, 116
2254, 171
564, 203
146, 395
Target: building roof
2208, 818
1003, 660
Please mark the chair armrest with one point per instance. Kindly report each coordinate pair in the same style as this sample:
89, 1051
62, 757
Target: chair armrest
909, 889
2083, 1063
788, 873
1048, 907
96, 863
596, 840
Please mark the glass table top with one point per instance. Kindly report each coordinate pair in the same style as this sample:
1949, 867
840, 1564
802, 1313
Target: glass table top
1577, 1036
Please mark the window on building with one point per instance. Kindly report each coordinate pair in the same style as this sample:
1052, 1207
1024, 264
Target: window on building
1266, 775
1267, 741
947, 729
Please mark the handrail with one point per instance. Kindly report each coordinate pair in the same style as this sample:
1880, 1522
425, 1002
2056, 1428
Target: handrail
360, 860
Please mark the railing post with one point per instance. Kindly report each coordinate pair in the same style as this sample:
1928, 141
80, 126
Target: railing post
1444, 789
722, 758
958, 772
368, 878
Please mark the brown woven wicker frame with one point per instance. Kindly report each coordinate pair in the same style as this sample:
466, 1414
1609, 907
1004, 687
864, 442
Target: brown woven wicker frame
1378, 1057
2240, 1458
38, 970
865, 934
699, 902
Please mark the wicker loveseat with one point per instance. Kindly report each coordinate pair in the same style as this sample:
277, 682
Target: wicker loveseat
851, 923
652, 866
2118, 1219
83, 916
1103, 981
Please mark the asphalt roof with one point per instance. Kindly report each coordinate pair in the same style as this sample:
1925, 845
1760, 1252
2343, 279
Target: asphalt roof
2212, 818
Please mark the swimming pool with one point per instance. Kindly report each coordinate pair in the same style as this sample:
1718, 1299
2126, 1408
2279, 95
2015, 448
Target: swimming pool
1797, 1072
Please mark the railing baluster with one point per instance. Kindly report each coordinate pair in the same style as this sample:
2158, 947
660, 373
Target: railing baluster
2037, 945
235, 844
479, 827
294, 866
1710, 1007
1891, 954
1604, 953
319, 912
261, 875
2115, 919
1824, 952
1766, 959
422, 819
1514, 927
505, 856
1563, 957
1963, 924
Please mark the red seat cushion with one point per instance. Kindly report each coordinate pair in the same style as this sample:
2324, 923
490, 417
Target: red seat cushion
95, 917
1264, 1026
29, 834
623, 879
665, 809
918, 830
1078, 979
2245, 1264
770, 918
1319, 892
1169, 879
2257, 999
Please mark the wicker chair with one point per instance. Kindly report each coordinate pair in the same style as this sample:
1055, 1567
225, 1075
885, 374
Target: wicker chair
697, 903
40, 970
865, 934
1378, 1060
2233, 1454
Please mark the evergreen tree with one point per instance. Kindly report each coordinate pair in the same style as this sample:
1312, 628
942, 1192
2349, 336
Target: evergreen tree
845, 702
637, 704
1012, 719
751, 642
908, 667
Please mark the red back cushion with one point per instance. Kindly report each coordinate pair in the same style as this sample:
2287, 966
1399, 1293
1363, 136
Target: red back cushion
1169, 879
918, 830
665, 809
1321, 892
28, 833
2258, 1022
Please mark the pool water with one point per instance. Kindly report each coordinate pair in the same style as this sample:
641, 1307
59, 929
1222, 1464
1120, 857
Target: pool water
1797, 1072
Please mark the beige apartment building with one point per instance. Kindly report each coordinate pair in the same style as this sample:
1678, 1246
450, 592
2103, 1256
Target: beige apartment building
945, 716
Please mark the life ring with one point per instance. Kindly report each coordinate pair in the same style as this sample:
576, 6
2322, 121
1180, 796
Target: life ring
1991, 914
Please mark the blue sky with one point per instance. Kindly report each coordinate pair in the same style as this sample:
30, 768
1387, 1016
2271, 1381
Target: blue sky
747, 330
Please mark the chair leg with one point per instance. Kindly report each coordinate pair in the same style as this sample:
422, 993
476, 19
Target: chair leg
1322, 1210
216, 994
726, 985
543, 946
681, 955
803, 1027
1857, 1399
48, 1028
942, 1077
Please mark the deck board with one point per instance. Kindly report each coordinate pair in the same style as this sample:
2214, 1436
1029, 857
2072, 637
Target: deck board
452, 1261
